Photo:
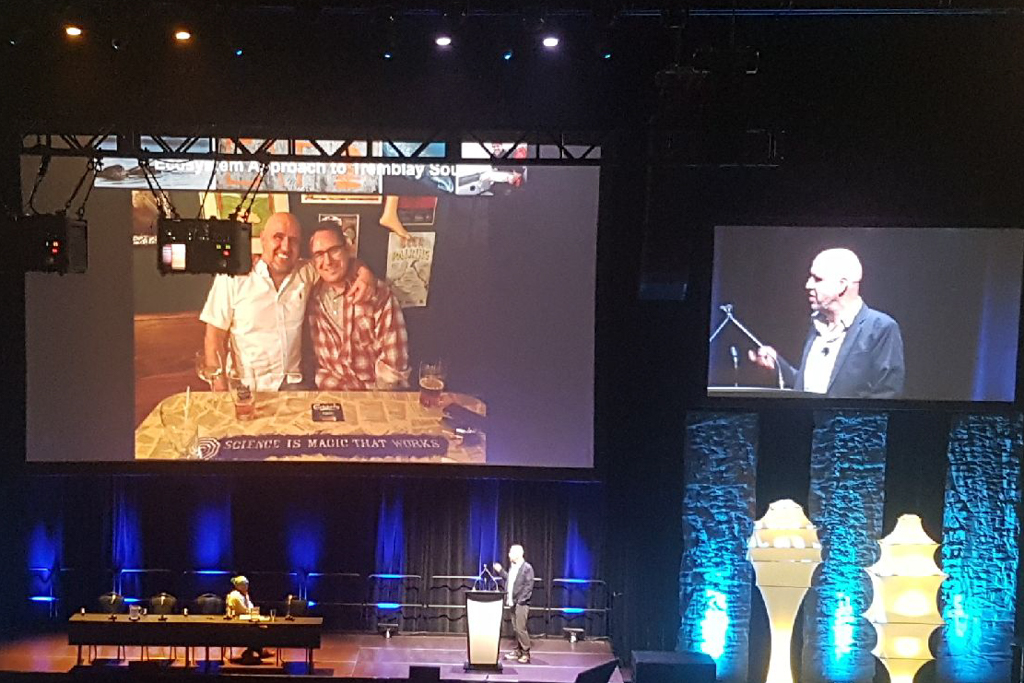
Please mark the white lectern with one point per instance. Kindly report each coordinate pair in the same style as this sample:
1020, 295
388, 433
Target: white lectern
483, 629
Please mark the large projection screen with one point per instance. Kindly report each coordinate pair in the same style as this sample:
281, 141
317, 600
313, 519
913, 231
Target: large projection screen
880, 313
485, 270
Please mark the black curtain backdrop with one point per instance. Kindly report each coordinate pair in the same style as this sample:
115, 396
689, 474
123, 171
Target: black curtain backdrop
89, 528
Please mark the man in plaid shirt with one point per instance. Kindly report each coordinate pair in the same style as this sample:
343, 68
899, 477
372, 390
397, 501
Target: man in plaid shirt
357, 346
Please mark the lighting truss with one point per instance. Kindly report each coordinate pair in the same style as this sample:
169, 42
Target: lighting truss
453, 147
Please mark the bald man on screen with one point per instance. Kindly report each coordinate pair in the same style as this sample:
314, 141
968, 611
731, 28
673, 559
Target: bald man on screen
851, 350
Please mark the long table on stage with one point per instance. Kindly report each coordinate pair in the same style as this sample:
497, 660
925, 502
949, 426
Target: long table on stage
177, 630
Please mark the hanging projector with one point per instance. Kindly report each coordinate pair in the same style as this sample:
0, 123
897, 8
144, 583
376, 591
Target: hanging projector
210, 246
49, 243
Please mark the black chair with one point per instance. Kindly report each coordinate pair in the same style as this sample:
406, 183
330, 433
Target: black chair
295, 607
162, 604
209, 604
110, 603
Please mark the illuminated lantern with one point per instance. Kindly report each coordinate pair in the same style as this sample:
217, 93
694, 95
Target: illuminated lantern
784, 550
906, 582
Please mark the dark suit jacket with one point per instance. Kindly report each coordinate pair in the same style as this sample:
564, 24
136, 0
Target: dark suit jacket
869, 363
522, 589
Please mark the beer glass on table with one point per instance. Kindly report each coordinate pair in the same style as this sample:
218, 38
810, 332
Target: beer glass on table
242, 385
432, 377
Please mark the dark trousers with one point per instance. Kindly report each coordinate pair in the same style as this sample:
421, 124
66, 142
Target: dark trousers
520, 614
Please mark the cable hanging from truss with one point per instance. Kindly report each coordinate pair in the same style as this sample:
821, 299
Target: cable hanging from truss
91, 169
243, 209
163, 201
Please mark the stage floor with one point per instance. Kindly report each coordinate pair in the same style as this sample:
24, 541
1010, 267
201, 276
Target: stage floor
358, 656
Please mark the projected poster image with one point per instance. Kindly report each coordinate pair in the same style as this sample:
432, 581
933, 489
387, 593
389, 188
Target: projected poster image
927, 314
408, 324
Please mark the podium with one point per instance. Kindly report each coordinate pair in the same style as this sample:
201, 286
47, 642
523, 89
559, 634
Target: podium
483, 629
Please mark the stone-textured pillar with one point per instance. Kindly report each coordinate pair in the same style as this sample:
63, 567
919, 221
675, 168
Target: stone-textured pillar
979, 548
846, 503
718, 513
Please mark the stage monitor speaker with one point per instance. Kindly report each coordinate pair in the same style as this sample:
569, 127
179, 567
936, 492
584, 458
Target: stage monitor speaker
48, 243
424, 674
598, 674
672, 667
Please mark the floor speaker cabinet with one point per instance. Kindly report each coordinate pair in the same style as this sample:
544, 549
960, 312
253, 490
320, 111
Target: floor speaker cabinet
598, 674
672, 667
424, 674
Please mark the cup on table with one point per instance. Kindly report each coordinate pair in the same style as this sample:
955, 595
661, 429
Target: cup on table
273, 615
242, 385
181, 427
255, 611
432, 377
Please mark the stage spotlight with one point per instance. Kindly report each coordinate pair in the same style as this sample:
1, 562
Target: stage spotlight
182, 35
606, 54
116, 44
550, 42
72, 31
203, 246
239, 52
388, 55
443, 40
507, 55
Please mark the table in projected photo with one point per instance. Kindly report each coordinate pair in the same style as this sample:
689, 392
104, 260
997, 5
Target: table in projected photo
372, 426
177, 630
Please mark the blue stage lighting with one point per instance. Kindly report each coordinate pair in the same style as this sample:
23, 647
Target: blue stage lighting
507, 55
388, 605
714, 628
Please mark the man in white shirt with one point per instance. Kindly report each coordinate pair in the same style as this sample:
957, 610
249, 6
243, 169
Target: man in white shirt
851, 350
260, 314
518, 591
238, 603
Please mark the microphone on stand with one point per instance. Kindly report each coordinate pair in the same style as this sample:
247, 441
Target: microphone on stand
735, 366
730, 318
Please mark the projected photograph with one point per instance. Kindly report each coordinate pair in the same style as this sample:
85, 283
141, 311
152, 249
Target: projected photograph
419, 323
926, 314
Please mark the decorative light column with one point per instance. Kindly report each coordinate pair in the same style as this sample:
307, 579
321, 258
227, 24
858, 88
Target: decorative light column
906, 583
785, 551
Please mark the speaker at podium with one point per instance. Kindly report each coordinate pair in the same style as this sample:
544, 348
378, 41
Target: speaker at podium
483, 629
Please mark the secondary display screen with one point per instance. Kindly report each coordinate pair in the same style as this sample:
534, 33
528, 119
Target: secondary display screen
405, 312
927, 314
